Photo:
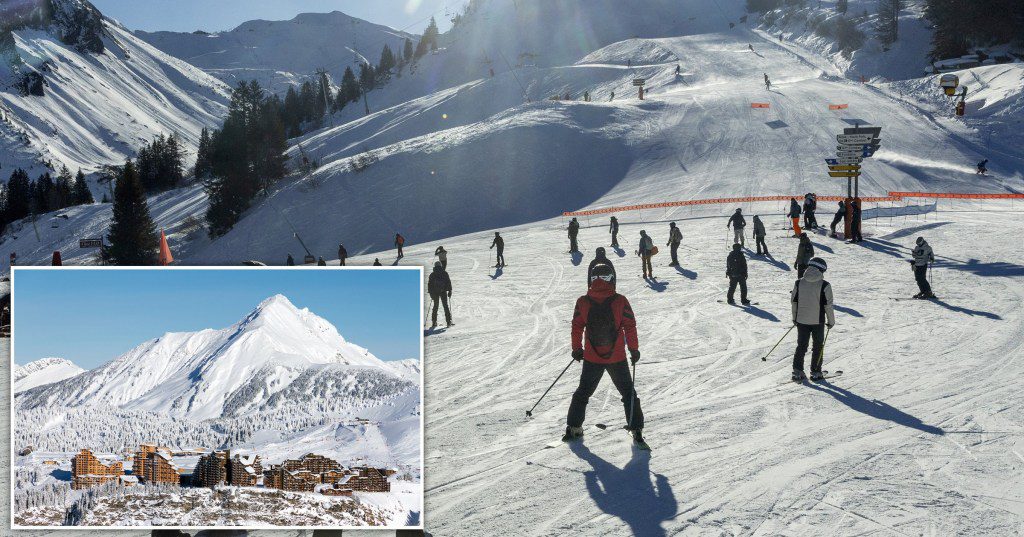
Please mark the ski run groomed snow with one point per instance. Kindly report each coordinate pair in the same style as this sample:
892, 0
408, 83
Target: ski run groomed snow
923, 434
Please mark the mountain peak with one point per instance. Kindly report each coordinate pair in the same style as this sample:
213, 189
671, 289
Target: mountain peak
276, 301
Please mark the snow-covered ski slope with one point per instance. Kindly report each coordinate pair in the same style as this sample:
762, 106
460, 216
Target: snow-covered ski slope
474, 157
921, 435
99, 109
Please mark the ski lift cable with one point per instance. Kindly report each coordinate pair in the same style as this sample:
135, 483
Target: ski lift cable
511, 70
295, 232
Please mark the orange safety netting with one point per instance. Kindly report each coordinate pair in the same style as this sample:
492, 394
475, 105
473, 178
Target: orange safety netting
748, 199
953, 195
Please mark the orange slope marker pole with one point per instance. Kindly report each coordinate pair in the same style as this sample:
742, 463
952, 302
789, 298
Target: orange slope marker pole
838, 106
760, 105
165, 251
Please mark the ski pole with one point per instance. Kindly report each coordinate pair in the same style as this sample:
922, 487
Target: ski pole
765, 357
632, 399
529, 413
821, 355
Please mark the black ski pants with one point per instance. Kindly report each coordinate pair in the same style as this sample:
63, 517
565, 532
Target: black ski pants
921, 275
809, 220
590, 377
800, 269
675, 253
499, 259
442, 299
573, 247
835, 221
615, 237
733, 282
759, 239
855, 230
400, 254
805, 332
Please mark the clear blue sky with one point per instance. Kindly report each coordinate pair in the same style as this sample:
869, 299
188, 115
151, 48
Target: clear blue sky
216, 15
92, 316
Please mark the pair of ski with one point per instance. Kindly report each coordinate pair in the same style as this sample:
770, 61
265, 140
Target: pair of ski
826, 375
740, 305
914, 298
641, 445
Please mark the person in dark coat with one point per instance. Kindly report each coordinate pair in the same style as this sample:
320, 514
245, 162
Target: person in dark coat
810, 205
574, 230
499, 243
399, 243
613, 228
320, 262
442, 256
290, 261
759, 235
439, 286
342, 255
855, 222
794, 215
376, 262
737, 222
675, 237
804, 254
839, 217
736, 271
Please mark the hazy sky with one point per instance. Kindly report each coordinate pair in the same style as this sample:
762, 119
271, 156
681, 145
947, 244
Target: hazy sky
93, 316
215, 15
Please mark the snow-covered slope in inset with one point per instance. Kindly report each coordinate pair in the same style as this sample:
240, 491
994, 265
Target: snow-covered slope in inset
228, 372
43, 371
98, 108
409, 368
282, 53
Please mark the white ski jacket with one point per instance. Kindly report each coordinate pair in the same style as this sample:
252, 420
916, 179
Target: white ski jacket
923, 254
812, 299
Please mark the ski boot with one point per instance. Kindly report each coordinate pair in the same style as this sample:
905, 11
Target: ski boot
433, 325
731, 302
638, 440
572, 433
745, 302
817, 376
798, 375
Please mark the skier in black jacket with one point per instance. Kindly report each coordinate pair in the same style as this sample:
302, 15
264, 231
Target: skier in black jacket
499, 260
736, 271
439, 285
839, 217
290, 261
574, 230
855, 222
613, 228
759, 235
342, 255
737, 222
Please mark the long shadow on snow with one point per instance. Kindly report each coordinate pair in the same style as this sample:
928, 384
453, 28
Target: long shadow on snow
656, 285
619, 252
688, 273
875, 408
968, 311
913, 230
995, 268
577, 258
848, 311
760, 313
497, 273
627, 493
771, 261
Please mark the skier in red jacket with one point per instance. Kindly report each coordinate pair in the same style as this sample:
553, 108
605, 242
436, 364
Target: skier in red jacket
605, 319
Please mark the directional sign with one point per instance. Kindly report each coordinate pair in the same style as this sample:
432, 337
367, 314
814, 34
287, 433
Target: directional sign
639, 81
831, 161
861, 148
873, 131
90, 243
849, 160
852, 154
856, 138
846, 168
844, 174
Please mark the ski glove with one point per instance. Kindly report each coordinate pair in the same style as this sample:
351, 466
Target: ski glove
829, 326
634, 355
577, 354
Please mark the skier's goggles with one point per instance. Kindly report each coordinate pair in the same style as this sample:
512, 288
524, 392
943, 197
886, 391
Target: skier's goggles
605, 277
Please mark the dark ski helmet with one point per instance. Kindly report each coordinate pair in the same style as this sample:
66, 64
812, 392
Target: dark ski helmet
603, 271
600, 254
437, 265
818, 263
920, 241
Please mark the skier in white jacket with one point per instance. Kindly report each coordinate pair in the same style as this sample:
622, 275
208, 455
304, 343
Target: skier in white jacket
812, 312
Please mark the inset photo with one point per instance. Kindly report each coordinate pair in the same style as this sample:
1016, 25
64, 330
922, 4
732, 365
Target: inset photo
216, 397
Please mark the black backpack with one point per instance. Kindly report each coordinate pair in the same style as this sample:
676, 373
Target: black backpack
602, 330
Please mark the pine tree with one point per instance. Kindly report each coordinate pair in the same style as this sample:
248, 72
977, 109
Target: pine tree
19, 196
62, 195
292, 113
408, 52
387, 62
366, 77
81, 193
842, 6
887, 28
132, 237
43, 194
203, 167
349, 86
